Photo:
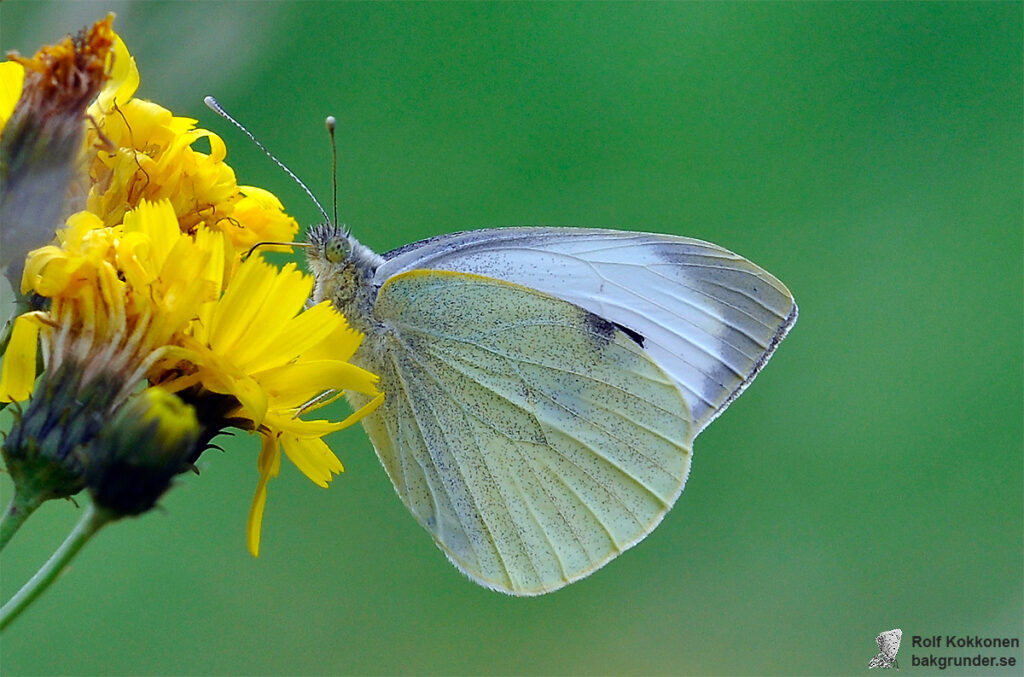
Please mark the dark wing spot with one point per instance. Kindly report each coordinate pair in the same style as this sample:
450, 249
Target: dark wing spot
599, 327
606, 330
637, 337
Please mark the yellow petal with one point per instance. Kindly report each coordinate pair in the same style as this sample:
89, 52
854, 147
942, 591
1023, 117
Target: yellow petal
212, 242
264, 217
271, 315
264, 198
12, 77
341, 345
37, 269
286, 422
157, 222
298, 380
19, 368
80, 226
313, 457
242, 297
298, 335
269, 465
252, 397
218, 377
124, 77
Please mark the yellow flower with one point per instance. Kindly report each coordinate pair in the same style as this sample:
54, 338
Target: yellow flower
260, 347
119, 297
147, 289
139, 150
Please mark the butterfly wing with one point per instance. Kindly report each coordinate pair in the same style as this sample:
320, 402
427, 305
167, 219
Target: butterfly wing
534, 440
708, 317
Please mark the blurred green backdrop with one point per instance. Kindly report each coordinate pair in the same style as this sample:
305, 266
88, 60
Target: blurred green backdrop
869, 155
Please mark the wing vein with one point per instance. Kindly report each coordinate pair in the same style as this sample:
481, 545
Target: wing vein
598, 454
433, 459
490, 472
426, 474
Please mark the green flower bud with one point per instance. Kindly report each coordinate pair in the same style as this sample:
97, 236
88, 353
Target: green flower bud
43, 449
134, 459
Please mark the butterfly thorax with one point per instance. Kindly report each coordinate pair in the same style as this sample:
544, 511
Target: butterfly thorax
343, 270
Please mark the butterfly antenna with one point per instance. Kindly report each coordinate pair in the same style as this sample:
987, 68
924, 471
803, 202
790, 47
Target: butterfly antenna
273, 244
331, 123
216, 108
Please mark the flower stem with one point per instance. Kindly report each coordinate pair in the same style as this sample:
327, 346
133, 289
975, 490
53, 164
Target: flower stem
92, 521
22, 505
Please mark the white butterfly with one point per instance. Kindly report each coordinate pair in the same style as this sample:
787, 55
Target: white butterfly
888, 645
544, 385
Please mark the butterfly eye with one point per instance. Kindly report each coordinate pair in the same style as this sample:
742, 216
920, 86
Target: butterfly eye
337, 249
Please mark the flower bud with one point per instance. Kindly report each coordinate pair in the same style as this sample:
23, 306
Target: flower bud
43, 449
133, 460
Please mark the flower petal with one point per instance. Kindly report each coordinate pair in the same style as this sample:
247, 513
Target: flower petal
292, 383
242, 297
269, 465
19, 366
313, 457
124, 77
271, 317
297, 335
341, 345
12, 77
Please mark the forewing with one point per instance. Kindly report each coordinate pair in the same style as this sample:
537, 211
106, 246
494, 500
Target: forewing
534, 440
710, 318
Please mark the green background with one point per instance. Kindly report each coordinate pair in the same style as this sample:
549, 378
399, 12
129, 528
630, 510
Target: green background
869, 155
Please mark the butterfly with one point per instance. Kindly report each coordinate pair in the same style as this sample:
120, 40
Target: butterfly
888, 644
543, 386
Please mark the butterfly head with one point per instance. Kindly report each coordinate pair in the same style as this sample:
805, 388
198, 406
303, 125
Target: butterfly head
342, 270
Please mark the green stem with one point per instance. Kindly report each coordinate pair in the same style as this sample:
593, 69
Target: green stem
22, 505
92, 521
